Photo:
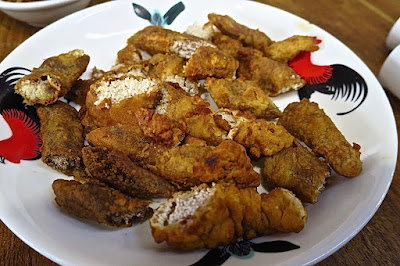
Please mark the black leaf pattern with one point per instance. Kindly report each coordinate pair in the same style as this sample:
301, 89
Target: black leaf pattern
173, 12
240, 248
142, 12
273, 246
214, 257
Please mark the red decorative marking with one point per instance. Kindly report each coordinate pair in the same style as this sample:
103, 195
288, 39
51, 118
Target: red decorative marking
25, 141
312, 74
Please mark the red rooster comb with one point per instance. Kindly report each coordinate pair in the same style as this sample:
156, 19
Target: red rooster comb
25, 141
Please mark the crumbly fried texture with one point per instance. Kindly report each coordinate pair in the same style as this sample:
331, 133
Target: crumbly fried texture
79, 91
226, 44
160, 128
169, 68
307, 122
187, 166
62, 135
249, 37
196, 113
156, 39
208, 217
210, 62
117, 171
128, 140
243, 96
287, 49
100, 203
53, 79
262, 137
297, 169
129, 55
272, 76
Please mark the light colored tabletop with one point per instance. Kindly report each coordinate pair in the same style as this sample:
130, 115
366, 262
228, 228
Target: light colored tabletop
360, 24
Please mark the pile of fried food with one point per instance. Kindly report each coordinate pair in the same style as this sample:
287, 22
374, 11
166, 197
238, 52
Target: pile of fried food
149, 134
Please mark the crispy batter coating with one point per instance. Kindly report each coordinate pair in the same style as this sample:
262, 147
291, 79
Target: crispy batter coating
79, 91
169, 68
97, 202
307, 122
208, 217
62, 135
249, 37
53, 79
129, 55
210, 62
297, 169
226, 44
160, 128
242, 95
287, 49
196, 113
187, 166
117, 171
263, 137
272, 76
128, 140
156, 39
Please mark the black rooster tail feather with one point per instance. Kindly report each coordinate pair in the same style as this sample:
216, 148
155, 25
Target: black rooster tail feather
173, 12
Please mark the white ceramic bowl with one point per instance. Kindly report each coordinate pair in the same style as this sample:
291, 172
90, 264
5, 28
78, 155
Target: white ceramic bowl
42, 13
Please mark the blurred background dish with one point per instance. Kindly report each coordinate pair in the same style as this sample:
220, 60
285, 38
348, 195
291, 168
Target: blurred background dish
41, 13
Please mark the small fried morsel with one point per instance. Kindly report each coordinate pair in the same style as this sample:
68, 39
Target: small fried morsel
53, 79
307, 122
249, 37
210, 62
97, 202
79, 91
226, 44
272, 76
287, 49
187, 166
117, 171
129, 55
297, 169
156, 39
169, 68
243, 96
208, 217
62, 135
128, 140
262, 137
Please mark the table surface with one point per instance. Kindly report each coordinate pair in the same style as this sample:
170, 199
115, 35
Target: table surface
360, 24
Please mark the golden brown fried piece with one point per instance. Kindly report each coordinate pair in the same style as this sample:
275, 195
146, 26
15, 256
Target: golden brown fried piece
117, 171
187, 166
249, 37
197, 114
243, 96
226, 44
156, 39
169, 68
262, 137
62, 135
79, 91
307, 122
272, 76
128, 140
210, 62
111, 101
129, 55
208, 217
53, 79
100, 203
297, 169
287, 49
160, 128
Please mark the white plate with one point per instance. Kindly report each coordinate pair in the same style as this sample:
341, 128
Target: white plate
27, 204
